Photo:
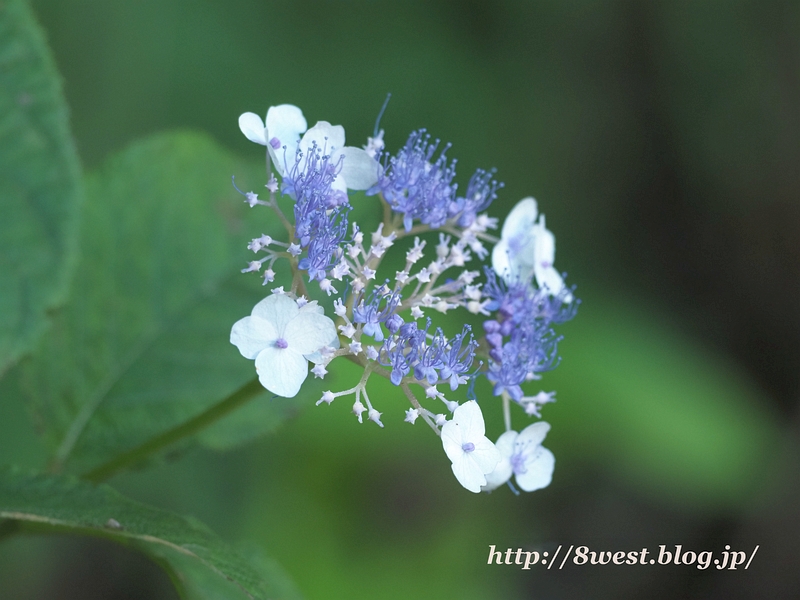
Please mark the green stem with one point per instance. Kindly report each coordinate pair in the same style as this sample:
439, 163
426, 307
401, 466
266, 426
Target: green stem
201, 421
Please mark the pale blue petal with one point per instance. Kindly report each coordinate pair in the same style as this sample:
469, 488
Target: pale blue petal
312, 306
278, 309
316, 357
339, 184
502, 473
485, 455
545, 247
468, 474
309, 331
470, 419
539, 471
251, 335
452, 441
521, 219
505, 443
281, 371
549, 277
286, 124
253, 128
500, 260
532, 435
328, 138
359, 169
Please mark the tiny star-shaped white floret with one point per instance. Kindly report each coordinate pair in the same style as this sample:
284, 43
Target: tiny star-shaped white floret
358, 410
327, 397
375, 416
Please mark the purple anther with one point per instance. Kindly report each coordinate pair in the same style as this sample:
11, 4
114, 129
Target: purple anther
281, 343
275, 143
468, 447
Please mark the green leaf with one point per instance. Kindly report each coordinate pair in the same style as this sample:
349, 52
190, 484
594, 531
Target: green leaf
651, 405
40, 184
144, 346
200, 564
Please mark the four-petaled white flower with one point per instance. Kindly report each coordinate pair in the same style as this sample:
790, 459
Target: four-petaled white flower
282, 338
527, 248
523, 456
281, 133
470, 451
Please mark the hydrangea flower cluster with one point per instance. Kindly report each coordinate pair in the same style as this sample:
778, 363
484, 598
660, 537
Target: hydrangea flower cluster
385, 324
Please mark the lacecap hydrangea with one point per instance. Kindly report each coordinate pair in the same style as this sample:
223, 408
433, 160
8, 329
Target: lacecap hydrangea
337, 307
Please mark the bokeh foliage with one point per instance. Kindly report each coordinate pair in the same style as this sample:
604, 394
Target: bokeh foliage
40, 184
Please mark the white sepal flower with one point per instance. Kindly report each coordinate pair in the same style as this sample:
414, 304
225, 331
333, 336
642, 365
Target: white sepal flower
281, 135
282, 337
523, 456
527, 249
284, 125
512, 256
544, 257
468, 448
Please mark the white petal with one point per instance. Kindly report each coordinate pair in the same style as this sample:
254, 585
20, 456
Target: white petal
328, 138
545, 246
549, 277
539, 471
485, 455
278, 309
312, 306
309, 331
521, 219
532, 435
470, 420
359, 169
502, 473
500, 260
285, 123
339, 184
505, 443
252, 127
281, 371
316, 357
452, 441
469, 474
251, 335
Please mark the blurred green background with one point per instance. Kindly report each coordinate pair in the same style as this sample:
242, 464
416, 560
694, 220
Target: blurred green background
662, 141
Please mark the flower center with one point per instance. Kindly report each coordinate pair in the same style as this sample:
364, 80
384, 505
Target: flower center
281, 343
468, 447
518, 464
275, 143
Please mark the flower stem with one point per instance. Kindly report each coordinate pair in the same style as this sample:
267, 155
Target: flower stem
169, 437
506, 411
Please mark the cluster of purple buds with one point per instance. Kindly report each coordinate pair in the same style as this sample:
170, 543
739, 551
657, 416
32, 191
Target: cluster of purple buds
481, 192
378, 308
431, 358
320, 211
522, 342
416, 187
